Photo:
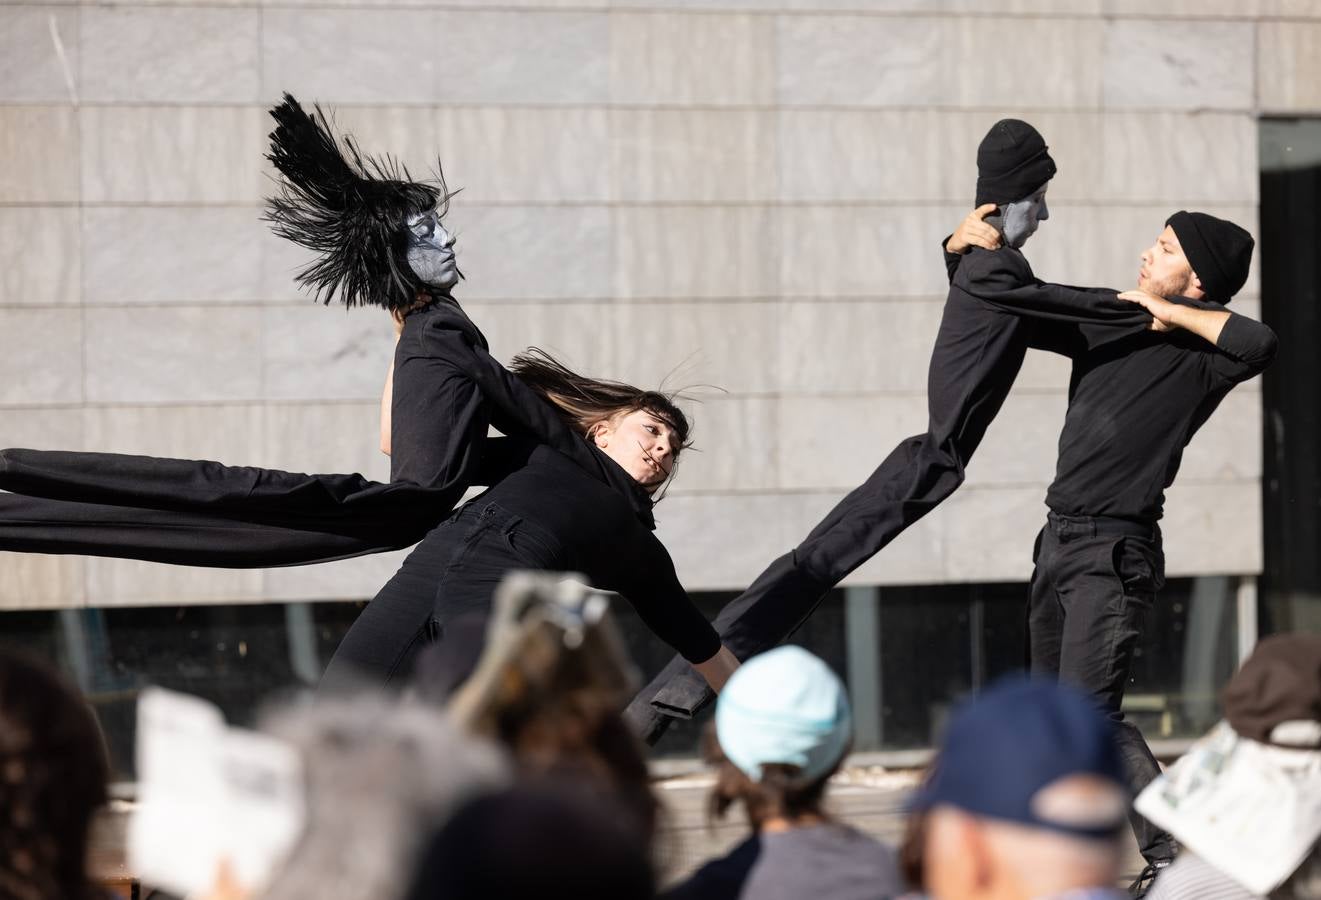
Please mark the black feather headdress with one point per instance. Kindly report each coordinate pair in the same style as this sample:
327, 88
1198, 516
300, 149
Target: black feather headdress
352, 210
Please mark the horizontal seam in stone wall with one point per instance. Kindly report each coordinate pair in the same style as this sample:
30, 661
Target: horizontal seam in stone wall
843, 11
498, 302
927, 107
979, 487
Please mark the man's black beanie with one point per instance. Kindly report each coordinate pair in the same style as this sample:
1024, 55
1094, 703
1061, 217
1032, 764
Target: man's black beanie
1220, 252
1012, 162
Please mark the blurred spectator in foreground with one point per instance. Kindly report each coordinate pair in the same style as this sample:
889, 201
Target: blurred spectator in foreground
1245, 801
1028, 799
380, 776
53, 775
537, 841
783, 727
551, 687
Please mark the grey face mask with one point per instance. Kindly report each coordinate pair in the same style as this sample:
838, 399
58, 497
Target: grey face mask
1018, 221
431, 252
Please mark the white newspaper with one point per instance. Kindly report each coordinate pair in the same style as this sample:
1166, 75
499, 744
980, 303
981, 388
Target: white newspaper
209, 794
1252, 810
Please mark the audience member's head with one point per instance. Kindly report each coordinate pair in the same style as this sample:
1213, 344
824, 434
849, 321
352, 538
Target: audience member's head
53, 774
551, 687
379, 776
1246, 799
1027, 799
782, 727
537, 841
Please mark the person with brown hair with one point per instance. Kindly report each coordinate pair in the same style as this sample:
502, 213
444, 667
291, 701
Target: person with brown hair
53, 775
782, 728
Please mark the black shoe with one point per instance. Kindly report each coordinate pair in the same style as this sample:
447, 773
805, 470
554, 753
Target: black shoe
1147, 877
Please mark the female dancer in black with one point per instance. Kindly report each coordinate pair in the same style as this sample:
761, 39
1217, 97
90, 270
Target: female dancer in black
379, 241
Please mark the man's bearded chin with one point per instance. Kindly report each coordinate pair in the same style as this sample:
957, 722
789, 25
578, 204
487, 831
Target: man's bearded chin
1172, 286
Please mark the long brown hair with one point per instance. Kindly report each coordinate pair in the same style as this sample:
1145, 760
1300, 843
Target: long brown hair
781, 792
585, 402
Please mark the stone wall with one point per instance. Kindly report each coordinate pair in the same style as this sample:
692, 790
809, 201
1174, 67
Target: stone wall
747, 194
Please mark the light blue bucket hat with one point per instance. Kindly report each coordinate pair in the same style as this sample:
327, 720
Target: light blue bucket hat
784, 706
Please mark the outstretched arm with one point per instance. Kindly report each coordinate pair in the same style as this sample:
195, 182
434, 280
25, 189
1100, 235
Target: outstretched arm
1248, 346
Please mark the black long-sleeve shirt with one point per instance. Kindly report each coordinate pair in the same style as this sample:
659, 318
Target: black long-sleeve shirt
582, 525
1136, 403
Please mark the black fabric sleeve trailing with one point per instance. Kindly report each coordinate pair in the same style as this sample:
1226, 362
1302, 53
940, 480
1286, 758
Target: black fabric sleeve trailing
1003, 279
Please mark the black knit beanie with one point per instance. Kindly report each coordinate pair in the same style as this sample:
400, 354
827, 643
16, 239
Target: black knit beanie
1012, 162
1219, 251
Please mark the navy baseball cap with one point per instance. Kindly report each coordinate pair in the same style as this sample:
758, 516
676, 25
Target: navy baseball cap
1004, 748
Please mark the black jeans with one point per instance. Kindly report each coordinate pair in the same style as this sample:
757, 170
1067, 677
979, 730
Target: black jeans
453, 572
977, 355
1093, 587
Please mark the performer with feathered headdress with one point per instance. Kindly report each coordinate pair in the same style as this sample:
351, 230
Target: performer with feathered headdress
581, 463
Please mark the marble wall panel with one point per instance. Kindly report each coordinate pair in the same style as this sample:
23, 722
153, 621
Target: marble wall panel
32, 39
735, 447
1208, 9
430, 56
52, 428
231, 434
323, 437
39, 147
666, 59
690, 252
395, 56
524, 57
865, 251
525, 155
41, 357
879, 61
834, 443
320, 353
693, 156
903, 155
1288, 73
183, 55
1213, 529
711, 345
848, 347
167, 255
40, 256
173, 154
129, 582
578, 334
1228, 446
723, 541
861, 61
346, 579
1022, 443
37, 581
1150, 64
173, 355
989, 532
531, 252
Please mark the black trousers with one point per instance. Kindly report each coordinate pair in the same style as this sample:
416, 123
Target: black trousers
451, 574
978, 353
1093, 587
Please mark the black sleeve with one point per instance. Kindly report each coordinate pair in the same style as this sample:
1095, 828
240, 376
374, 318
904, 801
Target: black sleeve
1003, 279
517, 404
638, 566
438, 418
1246, 347
951, 259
